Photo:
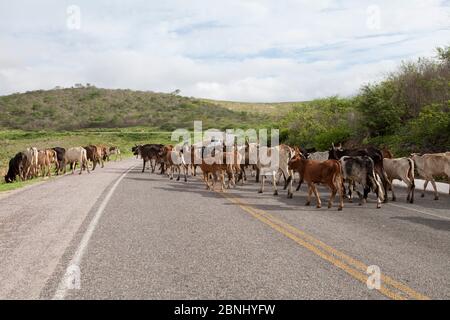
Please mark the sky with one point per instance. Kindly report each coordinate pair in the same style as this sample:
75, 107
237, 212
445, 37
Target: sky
255, 51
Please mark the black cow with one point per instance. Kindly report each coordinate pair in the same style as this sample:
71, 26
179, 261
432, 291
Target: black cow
374, 153
149, 152
16, 166
60, 159
362, 170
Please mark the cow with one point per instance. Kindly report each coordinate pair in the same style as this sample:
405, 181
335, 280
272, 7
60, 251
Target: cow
93, 155
326, 172
101, 154
216, 171
285, 153
60, 159
115, 151
44, 162
31, 164
150, 153
361, 170
16, 168
375, 154
105, 153
431, 165
174, 160
249, 160
77, 155
401, 169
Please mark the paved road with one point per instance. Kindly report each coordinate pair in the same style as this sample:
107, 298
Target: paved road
142, 236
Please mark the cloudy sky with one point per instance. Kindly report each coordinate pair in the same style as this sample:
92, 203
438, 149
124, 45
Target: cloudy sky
255, 50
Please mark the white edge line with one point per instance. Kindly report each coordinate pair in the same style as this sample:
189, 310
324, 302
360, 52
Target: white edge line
61, 291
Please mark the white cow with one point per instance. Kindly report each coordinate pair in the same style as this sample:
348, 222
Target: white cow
76, 156
284, 152
432, 165
401, 169
31, 165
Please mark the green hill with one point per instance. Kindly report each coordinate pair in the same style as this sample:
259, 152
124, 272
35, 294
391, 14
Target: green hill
91, 107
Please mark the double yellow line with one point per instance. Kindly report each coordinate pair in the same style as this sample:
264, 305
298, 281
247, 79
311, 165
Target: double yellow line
389, 287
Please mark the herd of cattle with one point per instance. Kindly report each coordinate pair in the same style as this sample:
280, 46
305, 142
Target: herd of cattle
32, 162
339, 169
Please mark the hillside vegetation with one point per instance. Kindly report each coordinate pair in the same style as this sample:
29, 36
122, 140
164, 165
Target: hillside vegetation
91, 107
407, 112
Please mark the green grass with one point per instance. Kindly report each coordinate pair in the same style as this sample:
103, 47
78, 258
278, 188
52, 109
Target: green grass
19, 184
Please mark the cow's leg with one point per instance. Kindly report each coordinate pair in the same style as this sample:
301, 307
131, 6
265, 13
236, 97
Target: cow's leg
436, 194
153, 165
274, 183
205, 179
263, 178
413, 187
258, 173
179, 173
378, 199
170, 169
308, 200
332, 196
316, 193
424, 187
391, 185
143, 166
341, 195
300, 181
290, 194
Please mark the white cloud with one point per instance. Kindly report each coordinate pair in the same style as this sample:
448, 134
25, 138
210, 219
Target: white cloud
235, 50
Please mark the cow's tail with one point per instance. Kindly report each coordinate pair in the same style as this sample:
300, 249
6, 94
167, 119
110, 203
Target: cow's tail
338, 179
411, 172
378, 185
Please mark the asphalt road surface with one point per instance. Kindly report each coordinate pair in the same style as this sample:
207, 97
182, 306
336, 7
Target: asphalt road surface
118, 233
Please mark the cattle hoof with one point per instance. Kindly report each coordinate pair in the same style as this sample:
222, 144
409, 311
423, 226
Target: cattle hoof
275, 193
308, 204
171, 178
378, 207
394, 199
290, 195
329, 206
422, 195
260, 191
319, 206
436, 198
178, 179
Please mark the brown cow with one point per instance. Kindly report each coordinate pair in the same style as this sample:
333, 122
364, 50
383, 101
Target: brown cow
43, 162
313, 171
101, 152
93, 155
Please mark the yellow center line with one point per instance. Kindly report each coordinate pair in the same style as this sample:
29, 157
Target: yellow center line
346, 263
